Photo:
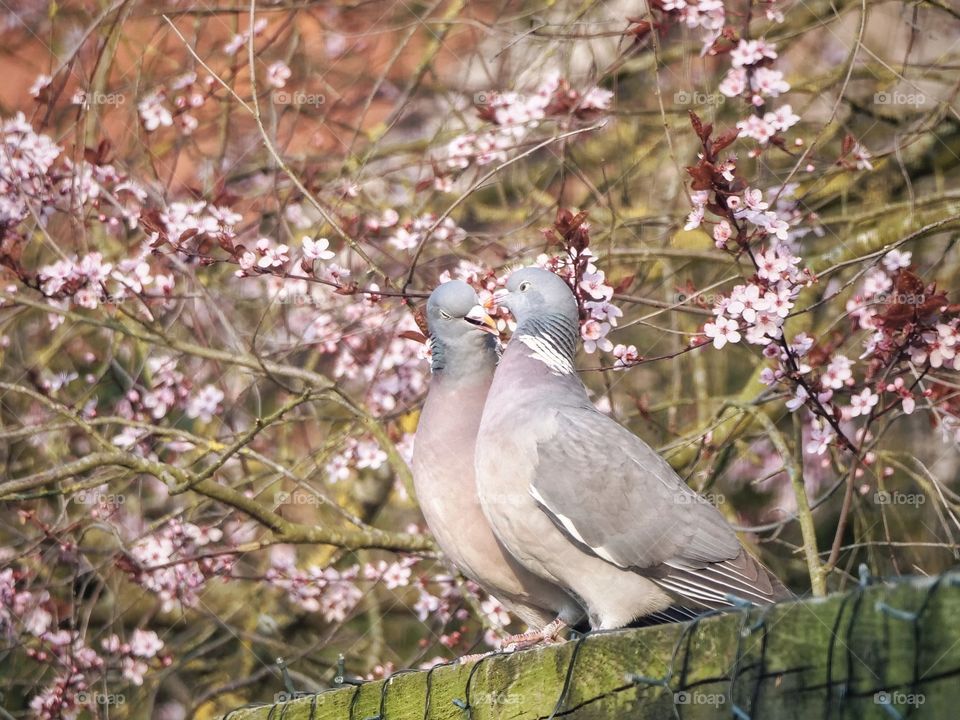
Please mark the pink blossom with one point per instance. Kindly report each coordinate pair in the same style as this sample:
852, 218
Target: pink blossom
369, 455
764, 329
769, 376
145, 643
876, 282
39, 85
757, 128
133, 670
769, 82
153, 113
821, 435
202, 535
625, 355
273, 257
205, 404
799, 399
594, 336
838, 373
317, 249
862, 157
495, 612
734, 83
908, 401
603, 310
750, 52
277, 74
721, 233
896, 259
753, 199
862, 402
594, 284
722, 330
782, 119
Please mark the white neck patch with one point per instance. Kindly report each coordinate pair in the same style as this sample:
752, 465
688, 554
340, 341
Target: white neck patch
547, 353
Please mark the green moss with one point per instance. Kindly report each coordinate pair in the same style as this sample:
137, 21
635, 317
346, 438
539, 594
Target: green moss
806, 659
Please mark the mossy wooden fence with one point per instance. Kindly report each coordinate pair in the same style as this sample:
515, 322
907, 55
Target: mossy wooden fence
886, 650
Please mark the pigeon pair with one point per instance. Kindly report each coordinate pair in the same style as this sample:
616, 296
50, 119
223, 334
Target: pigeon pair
549, 505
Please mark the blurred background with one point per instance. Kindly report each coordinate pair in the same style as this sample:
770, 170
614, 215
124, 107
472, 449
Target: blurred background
218, 222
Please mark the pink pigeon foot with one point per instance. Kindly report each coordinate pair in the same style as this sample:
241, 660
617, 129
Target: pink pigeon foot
547, 635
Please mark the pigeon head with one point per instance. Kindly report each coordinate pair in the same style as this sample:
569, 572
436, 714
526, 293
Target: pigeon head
534, 293
461, 330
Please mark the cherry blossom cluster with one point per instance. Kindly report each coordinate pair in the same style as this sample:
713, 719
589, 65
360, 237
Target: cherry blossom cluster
334, 593
76, 684
240, 39
913, 331
594, 294
168, 389
63, 697
133, 655
37, 180
708, 15
753, 77
27, 618
176, 103
357, 454
409, 235
757, 310
514, 115
329, 591
598, 314
166, 563
27, 171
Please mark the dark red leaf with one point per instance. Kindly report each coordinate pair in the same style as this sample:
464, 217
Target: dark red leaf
725, 140
414, 335
624, 283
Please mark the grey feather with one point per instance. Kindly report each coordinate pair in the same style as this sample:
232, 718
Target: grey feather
463, 362
624, 516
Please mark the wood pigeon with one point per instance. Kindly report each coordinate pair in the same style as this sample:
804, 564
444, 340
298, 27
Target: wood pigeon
602, 514
465, 350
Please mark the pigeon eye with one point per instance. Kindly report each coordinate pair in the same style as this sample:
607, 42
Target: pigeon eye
524, 286
444, 315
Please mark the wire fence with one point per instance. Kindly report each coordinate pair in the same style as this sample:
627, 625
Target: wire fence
887, 648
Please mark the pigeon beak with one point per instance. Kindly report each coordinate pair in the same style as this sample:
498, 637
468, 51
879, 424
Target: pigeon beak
480, 318
500, 297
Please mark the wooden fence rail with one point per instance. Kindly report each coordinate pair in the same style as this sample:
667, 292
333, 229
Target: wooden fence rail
887, 650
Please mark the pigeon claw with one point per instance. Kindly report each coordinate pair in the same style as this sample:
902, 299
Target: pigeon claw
547, 635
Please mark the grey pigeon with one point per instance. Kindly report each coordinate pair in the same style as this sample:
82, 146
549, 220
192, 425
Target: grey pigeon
604, 516
465, 351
